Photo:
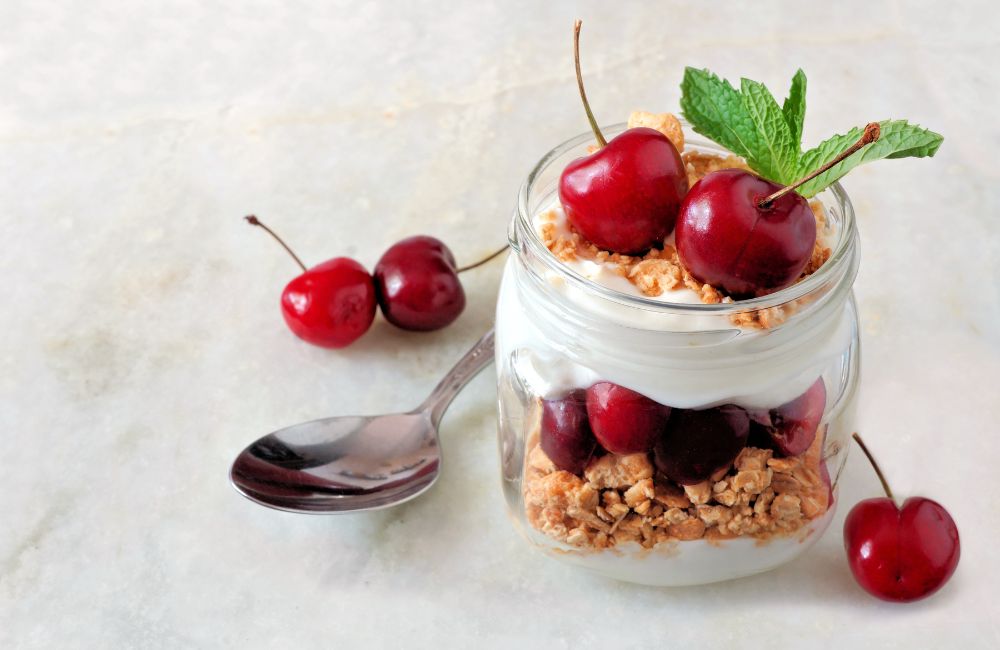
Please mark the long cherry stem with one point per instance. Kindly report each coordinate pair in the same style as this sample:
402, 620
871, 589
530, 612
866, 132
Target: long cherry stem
482, 261
871, 459
871, 134
254, 221
579, 82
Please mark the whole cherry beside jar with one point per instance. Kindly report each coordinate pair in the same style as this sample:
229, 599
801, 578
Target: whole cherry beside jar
331, 304
900, 554
415, 283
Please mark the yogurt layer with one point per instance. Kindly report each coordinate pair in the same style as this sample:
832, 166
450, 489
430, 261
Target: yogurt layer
701, 360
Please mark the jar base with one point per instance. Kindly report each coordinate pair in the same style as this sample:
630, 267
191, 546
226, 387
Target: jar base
689, 563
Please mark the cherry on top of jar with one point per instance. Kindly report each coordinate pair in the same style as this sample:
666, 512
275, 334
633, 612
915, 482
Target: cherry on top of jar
539, 191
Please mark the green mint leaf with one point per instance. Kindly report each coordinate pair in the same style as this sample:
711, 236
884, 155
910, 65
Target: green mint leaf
794, 108
715, 109
777, 157
899, 139
749, 123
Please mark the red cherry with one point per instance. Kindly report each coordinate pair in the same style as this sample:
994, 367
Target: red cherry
792, 427
331, 304
418, 286
696, 444
724, 238
623, 421
624, 198
747, 235
566, 437
900, 554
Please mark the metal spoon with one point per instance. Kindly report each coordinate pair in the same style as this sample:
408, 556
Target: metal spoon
354, 463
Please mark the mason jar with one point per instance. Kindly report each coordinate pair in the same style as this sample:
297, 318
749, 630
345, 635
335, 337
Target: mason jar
785, 364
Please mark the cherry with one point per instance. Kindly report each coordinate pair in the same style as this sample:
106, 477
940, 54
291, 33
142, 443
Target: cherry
566, 437
330, 305
418, 286
724, 239
623, 198
900, 554
790, 428
696, 444
746, 235
624, 421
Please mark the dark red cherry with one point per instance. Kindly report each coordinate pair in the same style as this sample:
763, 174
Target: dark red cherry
793, 426
418, 286
901, 554
696, 444
623, 421
624, 198
726, 239
331, 304
566, 437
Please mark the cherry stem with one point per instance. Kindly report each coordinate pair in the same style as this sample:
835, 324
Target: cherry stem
254, 221
871, 459
482, 261
579, 82
871, 134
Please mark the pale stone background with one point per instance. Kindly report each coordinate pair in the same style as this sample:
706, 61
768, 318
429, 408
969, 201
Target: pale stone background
142, 345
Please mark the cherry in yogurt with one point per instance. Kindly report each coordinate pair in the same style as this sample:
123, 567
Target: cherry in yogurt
696, 444
565, 436
624, 421
747, 235
625, 196
790, 428
726, 238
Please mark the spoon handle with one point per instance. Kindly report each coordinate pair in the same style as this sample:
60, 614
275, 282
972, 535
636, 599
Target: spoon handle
477, 358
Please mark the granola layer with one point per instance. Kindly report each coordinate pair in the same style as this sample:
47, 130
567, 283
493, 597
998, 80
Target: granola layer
621, 498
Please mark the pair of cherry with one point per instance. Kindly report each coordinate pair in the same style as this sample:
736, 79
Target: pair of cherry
415, 283
688, 445
734, 230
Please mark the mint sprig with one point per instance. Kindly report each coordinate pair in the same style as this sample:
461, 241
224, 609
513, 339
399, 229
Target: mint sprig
750, 123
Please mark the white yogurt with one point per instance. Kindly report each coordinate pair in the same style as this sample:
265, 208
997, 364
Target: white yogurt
728, 366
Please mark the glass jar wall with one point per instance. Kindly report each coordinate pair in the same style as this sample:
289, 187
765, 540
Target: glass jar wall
722, 427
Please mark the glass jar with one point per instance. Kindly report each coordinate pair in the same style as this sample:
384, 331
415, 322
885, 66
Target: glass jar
769, 360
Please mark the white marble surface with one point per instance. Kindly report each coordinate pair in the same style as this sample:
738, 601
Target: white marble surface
142, 345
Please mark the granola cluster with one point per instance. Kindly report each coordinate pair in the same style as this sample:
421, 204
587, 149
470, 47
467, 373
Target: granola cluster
620, 498
660, 270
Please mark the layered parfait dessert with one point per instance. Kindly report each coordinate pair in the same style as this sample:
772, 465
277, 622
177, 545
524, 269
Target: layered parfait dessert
677, 339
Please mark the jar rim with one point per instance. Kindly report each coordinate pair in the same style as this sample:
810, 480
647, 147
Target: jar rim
838, 262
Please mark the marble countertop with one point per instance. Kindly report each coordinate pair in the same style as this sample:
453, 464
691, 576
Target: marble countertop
142, 345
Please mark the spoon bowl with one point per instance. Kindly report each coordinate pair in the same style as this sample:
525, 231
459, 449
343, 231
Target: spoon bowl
354, 463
